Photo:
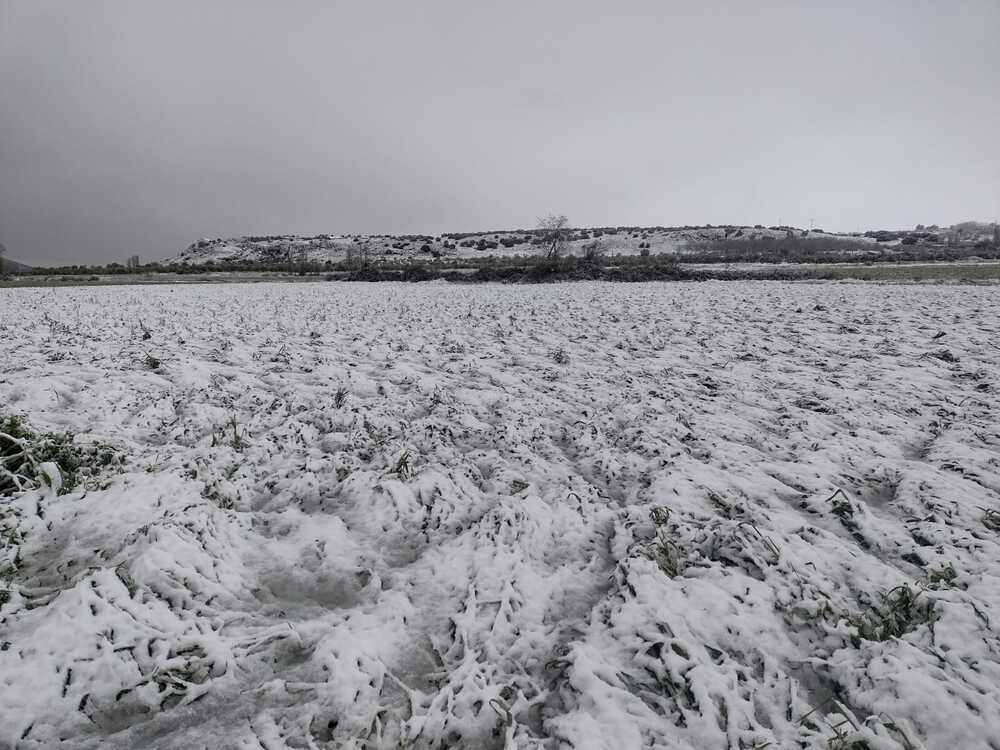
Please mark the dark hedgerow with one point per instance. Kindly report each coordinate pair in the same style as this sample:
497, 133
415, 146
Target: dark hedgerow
417, 272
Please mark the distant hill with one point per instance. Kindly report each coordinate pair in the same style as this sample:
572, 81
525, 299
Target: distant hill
9, 265
336, 248
12, 266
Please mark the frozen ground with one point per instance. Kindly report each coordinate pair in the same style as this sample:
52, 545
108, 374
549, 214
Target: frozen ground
735, 515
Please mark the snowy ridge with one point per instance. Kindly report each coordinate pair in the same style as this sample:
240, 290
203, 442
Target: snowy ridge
335, 248
560, 516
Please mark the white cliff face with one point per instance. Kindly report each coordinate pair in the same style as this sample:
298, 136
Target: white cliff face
578, 515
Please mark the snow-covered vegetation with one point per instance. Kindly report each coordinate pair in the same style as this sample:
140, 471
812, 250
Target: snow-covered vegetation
720, 515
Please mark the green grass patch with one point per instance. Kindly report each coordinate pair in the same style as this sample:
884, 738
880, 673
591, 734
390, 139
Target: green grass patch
900, 611
23, 452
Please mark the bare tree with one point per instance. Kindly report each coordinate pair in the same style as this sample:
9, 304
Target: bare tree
593, 250
3, 251
555, 232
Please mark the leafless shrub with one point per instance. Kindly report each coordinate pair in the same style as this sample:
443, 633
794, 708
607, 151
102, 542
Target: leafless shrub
555, 231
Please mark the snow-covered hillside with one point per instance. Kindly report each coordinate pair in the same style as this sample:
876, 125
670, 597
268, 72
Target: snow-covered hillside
624, 240
717, 515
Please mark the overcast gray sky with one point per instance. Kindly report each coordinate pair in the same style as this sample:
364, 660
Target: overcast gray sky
138, 127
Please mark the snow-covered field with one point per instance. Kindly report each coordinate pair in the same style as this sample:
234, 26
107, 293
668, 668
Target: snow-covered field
718, 515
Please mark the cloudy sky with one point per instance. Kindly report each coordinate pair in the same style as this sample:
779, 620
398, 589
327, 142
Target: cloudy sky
138, 127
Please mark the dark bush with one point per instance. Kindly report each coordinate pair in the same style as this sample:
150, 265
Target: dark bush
417, 272
371, 273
